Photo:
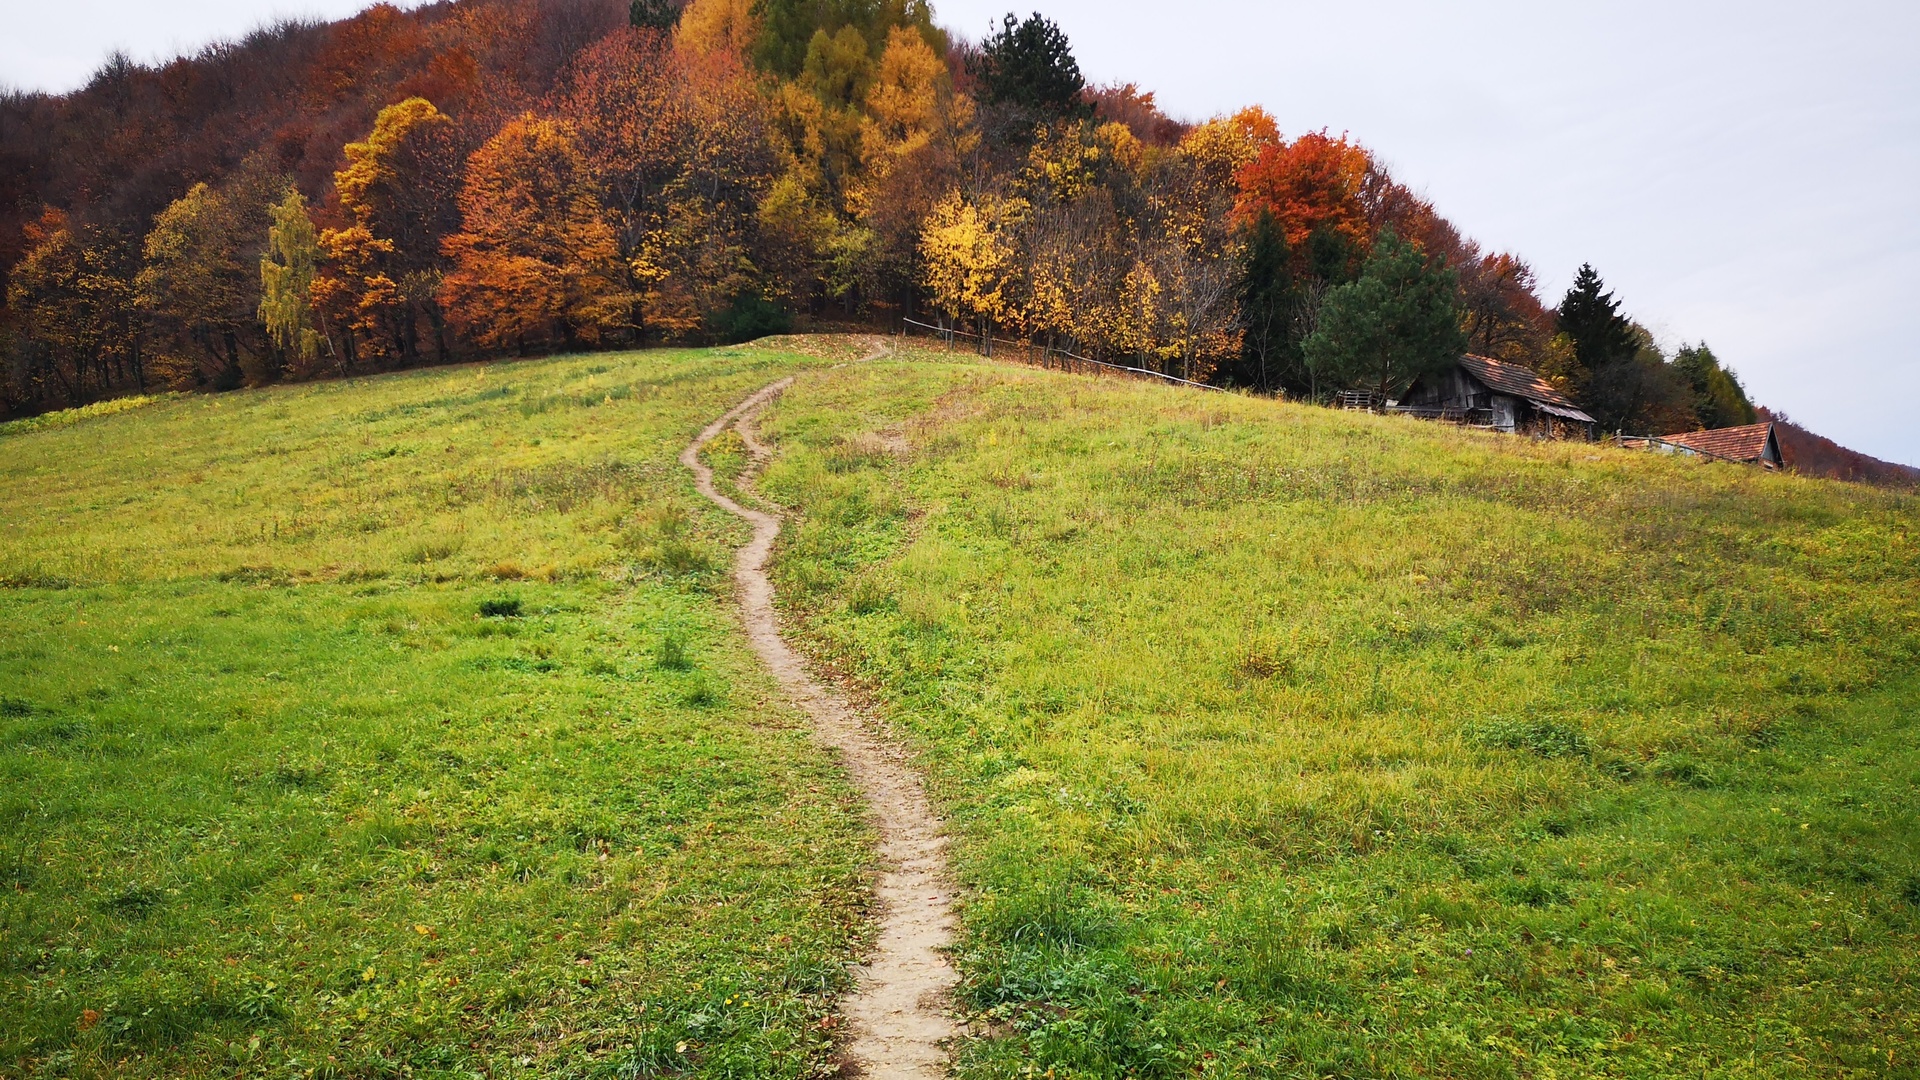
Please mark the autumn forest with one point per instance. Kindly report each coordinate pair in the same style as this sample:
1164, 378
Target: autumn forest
479, 178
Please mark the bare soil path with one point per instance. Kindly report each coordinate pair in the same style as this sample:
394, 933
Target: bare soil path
897, 1016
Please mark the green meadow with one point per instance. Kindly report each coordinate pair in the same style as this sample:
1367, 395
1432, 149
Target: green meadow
1285, 742
401, 727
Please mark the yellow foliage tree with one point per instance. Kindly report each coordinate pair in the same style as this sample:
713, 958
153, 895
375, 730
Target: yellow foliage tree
398, 189
1224, 145
969, 256
286, 283
708, 26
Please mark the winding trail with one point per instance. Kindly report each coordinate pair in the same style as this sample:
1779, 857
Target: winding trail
897, 1015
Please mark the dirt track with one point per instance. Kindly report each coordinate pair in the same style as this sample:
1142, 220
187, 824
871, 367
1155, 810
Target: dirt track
898, 1023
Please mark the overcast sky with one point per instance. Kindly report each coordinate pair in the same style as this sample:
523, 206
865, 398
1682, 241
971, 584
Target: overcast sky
1744, 173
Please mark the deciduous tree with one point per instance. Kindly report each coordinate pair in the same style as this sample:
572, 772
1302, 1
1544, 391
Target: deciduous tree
970, 259
1310, 185
199, 285
398, 190
286, 284
535, 260
72, 296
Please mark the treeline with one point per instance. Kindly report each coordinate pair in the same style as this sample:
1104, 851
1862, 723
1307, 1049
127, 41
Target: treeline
484, 177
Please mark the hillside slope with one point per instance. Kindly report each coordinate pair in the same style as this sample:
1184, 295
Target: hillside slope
1811, 454
400, 726
1288, 742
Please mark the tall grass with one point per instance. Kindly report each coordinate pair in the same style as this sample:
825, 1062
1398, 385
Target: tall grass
338, 738
1284, 742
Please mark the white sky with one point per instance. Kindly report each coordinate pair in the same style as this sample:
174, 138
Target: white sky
1747, 173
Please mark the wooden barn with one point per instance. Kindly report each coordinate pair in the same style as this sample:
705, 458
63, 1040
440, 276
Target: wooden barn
1749, 444
1492, 394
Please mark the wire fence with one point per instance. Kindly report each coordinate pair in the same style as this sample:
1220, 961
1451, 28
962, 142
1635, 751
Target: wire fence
1042, 356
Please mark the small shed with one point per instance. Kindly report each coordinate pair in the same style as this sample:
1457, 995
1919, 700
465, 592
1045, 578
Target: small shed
1749, 444
1493, 394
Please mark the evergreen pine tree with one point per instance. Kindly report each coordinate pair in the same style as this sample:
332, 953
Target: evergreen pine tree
1591, 317
1400, 320
1268, 353
1029, 66
1718, 398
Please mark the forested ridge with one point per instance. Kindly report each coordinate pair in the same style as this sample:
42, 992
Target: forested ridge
509, 177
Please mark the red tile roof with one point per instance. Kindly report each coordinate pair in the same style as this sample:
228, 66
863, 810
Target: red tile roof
1745, 443
1514, 380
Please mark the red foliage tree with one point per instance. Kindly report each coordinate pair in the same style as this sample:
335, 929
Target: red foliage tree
1310, 184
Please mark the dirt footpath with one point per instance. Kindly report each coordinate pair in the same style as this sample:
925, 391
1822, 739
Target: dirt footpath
898, 1019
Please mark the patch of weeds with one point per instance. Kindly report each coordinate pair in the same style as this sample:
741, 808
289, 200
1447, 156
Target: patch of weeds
700, 694
867, 596
52, 733
677, 557
1450, 913
1542, 738
1686, 770
1265, 661
1618, 767
292, 776
671, 652
1051, 912
133, 903
1647, 996
18, 869
1338, 931
659, 539
34, 578
1532, 892
264, 576
500, 607
431, 551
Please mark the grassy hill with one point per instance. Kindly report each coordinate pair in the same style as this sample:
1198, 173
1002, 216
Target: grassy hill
1289, 742
400, 727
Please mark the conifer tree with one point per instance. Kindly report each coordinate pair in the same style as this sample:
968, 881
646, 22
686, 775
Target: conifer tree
1401, 319
653, 14
1718, 398
1268, 353
1029, 66
1590, 316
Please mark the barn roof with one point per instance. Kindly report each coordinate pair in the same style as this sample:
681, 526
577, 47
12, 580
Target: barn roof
1514, 380
1745, 443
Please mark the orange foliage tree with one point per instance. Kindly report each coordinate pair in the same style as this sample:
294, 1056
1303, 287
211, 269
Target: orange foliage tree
678, 141
1311, 184
535, 259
